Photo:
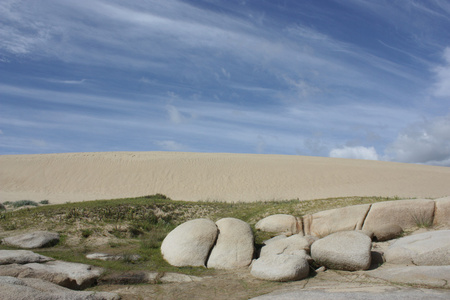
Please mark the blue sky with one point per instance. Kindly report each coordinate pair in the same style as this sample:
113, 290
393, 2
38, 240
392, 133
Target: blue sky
341, 78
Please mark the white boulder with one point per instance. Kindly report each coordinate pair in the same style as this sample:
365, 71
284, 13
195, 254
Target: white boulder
190, 243
281, 267
234, 247
346, 250
280, 224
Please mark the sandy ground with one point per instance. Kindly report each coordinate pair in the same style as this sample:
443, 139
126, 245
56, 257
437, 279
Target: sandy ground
211, 176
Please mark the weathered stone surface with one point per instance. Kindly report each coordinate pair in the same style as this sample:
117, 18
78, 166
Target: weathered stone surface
137, 277
234, 247
356, 293
426, 249
442, 212
281, 224
288, 245
340, 219
405, 213
190, 243
21, 257
71, 275
430, 276
281, 267
37, 239
387, 232
109, 257
346, 250
37, 289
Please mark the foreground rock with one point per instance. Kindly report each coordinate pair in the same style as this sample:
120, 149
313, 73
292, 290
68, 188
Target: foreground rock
280, 224
281, 267
71, 275
111, 257
37, 239
190, 243
21, 257
377, 292
234, 247
430, 276
426, 249
37, 289
404, 213
139, 277
347, 250
340, 219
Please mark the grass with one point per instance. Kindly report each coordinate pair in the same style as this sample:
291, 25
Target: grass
422, 219
139, 225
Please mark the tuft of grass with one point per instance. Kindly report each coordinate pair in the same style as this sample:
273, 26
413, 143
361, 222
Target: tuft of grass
422, 219
21, 203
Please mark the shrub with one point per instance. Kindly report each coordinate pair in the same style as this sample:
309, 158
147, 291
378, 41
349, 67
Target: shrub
21, 203
2, 207
86, 233
44, 202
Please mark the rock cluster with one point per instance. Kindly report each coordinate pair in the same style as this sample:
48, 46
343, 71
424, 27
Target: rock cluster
339, 239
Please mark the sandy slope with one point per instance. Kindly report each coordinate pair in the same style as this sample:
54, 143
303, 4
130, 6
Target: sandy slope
202, 176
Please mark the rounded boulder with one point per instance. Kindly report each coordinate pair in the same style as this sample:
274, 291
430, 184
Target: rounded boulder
234, 247
190, 243
281, 267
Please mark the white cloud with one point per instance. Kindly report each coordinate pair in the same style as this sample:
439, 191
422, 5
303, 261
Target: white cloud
174, 114
359, 152
442, 86
427, 142
170, 145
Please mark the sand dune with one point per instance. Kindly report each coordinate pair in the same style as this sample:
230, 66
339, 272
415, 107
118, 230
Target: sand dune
203, 176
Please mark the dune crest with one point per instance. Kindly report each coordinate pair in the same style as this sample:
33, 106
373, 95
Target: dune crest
211, 176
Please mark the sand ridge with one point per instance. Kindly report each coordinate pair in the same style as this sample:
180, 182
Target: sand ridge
211, 176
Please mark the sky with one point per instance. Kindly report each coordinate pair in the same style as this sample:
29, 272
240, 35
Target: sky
357, 79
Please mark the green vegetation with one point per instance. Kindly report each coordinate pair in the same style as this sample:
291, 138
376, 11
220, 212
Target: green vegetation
44, 202
139, 225
21, 203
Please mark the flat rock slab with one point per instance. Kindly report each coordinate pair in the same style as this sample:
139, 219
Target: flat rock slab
37, 289
425, 249
360, 293
138, 277
37, 239
21, 257
71, 275
430, 276
111, 257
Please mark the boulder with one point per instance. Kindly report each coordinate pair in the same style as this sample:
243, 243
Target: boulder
280, 224
425, 249
37, 289
442, 212
387, 232
190, 243
71, 275
340, 219
288, 245
404, 213
21, 257
346, 250
234, 247
37, 239
281, 267
430, 276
